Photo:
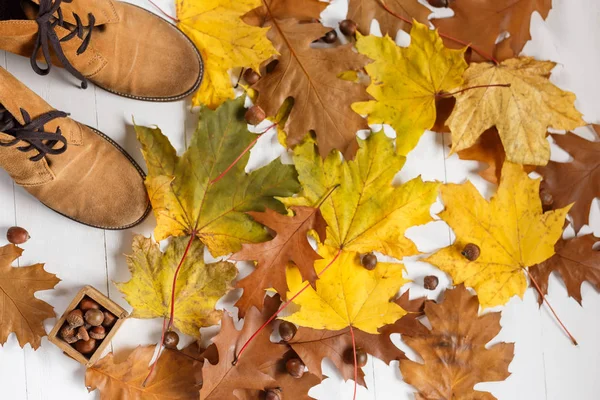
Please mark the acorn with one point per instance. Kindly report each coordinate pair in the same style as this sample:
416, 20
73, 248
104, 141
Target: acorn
369, 261
70, 339
471, 252
348, 27
438, 3
94, 317
273, 394
255, 115
86, 346
295, 367
361, 357
251, 76
88, 304
546, 198
330, 37
430, 282
17, 235
75, 318
287, 331
67, 331
98, 332
82, 334
171, 340
109, 319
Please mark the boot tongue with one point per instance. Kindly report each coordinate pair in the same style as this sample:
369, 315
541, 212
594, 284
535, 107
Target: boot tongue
103, 10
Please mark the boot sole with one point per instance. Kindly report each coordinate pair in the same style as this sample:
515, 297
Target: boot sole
172, 98
140, 171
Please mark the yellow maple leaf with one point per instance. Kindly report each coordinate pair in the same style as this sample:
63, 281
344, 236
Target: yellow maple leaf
347, 294
225, 41
199, 285
364, 212
511, 231
405, 82
522, 112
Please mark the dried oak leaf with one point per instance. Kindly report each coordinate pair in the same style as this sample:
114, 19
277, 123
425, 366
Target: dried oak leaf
454, 351
576, 261
300, 10
577, 181
363, 12
406, 81
253, 368
199, 285
292, 388
347, 294
509, 109
481, 22
182, 191
290, 244
310, 76
312, 345
511, 231
225, 41
21, 313
177, 376
364, 212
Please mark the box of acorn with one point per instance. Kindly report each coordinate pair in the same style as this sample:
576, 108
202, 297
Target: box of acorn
87, 326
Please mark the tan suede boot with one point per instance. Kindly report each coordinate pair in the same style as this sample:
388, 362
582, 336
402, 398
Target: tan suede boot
71, 168
120, 47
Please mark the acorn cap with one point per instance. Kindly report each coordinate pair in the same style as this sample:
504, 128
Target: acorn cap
75, 318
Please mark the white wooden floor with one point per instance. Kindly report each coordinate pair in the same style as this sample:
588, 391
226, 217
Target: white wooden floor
546, 365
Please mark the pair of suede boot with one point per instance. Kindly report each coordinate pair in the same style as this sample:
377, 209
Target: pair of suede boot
73, 169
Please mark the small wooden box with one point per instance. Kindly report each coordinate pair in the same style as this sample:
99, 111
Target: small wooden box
104, 302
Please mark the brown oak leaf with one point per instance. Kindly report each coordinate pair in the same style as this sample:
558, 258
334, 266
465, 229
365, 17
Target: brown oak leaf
251, 371
577, 181
364, 11
576, 261
300, 10
309, 75
20, 312
290, 244
481, 22
454, 351
313, 345
176, 376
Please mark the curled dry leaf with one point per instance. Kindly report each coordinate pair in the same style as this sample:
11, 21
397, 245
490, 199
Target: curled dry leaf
406, 82
363, 12
576, 261
199, 285
577, 181
454, 351
509, 109
511, 231
481, 22
290, 244
186, 195
225, 41
21, 313
178, 376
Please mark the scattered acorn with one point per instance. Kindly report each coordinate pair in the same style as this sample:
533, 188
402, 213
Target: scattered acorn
438, 3
295, 367
546, 198
251, 76
348, 27
171, 340
471, 252
361, 357
273, 394
369, 261
98, 332
330, 37
86, 346
109, 319
94, 317
82, 334
255, 115
75, 318
88, 304
430, 282
287, 331
17, 235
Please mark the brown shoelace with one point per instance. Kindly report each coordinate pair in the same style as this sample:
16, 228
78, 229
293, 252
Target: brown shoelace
47, 37
33, 133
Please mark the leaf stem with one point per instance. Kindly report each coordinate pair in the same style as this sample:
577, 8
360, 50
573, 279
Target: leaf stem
164, 12
160, 350
355, 361
505, 85
283, 306
539, 290
475, 49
